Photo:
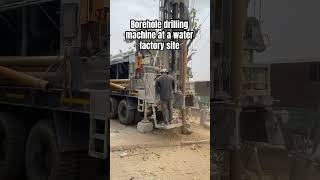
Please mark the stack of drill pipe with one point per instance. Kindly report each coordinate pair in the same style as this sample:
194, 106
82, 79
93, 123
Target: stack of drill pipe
120, 80
119, 84
116, 87
16, 70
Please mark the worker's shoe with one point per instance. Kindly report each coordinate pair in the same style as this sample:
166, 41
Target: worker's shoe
186, 129
164, 124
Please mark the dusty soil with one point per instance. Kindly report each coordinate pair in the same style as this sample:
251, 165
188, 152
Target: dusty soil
187, 162
121, 135
161, 154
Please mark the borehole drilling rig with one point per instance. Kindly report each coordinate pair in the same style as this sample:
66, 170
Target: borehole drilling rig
248, 142
53, 110
131, 96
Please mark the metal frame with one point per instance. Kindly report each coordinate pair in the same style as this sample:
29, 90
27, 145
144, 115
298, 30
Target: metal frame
89, 93
51, 100
8, 6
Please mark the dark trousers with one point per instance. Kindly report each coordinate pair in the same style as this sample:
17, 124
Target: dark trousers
92, 29
167, 109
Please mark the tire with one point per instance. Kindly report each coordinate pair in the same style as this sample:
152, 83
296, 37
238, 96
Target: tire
91, 168
114, 103
138, 117
125, 115
49, 163
12, 143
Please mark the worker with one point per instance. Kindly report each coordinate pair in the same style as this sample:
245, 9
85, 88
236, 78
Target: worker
91, 15
165, 86
138, 63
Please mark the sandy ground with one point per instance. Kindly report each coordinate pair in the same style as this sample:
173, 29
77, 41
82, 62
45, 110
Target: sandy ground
121, 135
161, 154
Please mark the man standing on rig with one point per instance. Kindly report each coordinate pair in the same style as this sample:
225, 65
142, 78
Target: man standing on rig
138, 63
165, 86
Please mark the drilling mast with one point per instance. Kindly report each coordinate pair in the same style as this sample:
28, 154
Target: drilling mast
176, 60
242, 111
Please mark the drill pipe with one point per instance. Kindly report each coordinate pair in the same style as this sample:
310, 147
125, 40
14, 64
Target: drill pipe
52, 76
116, 86
239, 18
46, 75
31, 68
29, 60
119, 80
24, 79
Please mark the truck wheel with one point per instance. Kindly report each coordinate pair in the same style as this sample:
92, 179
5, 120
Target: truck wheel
91, 168
138, 117
125, 115
43, 159
114, 103
12, 143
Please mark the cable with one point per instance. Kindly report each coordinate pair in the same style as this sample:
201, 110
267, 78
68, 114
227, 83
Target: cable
45, 12
260, 10
193, 4
201, 36
9, 24
254, 8
205, 19
201, 28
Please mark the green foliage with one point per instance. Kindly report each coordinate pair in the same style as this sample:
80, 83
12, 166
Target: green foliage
194, 20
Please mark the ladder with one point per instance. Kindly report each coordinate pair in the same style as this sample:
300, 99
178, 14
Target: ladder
140, 105
99, 125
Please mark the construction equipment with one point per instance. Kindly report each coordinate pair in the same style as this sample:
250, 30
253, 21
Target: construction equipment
145, 101
53, 117
248, 141
294, 74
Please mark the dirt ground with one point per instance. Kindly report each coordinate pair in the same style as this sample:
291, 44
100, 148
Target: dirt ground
161, 154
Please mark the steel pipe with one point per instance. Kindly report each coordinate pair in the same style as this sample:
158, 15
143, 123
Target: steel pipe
116, 86
24, 79
29, 60
119, 80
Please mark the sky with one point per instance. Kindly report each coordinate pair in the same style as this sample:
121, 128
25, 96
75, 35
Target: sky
121, 11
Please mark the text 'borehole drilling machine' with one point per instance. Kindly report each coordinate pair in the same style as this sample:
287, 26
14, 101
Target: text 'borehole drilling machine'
132, 95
